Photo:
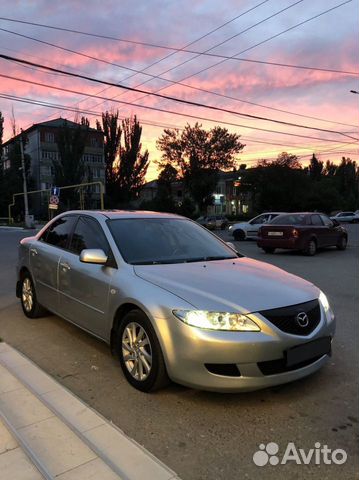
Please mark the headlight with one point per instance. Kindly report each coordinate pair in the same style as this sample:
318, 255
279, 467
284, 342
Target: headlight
217, 320
324, 301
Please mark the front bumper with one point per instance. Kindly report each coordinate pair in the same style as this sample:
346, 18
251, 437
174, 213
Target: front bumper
188, 351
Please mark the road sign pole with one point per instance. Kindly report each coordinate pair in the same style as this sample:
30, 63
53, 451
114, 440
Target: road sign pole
26, 200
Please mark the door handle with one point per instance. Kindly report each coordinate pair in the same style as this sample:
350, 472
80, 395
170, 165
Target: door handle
65, 266
33, 251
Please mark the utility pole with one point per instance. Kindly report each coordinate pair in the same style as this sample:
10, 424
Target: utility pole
26, 201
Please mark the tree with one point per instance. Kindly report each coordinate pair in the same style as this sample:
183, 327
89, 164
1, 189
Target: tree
69, 168
199, 155
11, 180
112, 131
280, 184
315, 168
167, 176
133, 164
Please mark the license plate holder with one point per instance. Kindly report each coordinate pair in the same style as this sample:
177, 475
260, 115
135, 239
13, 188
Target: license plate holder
307, 351
275, 234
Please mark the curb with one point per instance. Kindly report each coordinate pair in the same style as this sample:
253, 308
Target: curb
124, 456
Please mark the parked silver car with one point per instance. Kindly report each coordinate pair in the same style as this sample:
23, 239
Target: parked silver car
174, 301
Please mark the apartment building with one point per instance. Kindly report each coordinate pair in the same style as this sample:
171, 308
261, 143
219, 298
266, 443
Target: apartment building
42, 148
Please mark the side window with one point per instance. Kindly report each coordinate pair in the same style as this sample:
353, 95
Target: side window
58, 233
88, 234
316, 220
326, 220
259, 220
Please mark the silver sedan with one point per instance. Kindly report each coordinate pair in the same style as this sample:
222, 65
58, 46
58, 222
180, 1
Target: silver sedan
175, 302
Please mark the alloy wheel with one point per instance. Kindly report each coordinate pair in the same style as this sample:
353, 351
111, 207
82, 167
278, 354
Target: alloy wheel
137, 351
27, 295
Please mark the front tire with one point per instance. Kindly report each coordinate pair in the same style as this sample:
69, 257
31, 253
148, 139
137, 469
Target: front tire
342, 244
140, 354
239, 235
30, 306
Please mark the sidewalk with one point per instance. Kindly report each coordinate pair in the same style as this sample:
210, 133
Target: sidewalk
47, 432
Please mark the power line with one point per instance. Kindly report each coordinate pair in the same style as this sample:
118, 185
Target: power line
179, 82
237, 99
76, 92
69, 108
179, 100
43, 103
181, 49
249, 48
185, 48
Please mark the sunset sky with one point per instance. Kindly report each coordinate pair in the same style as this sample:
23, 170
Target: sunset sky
228, 28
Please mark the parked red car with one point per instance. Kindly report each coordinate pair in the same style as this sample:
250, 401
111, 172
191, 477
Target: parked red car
302, 231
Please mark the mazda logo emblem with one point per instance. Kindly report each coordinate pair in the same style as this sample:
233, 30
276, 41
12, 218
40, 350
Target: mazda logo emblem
302, 319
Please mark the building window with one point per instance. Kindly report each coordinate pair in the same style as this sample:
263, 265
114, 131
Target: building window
45, 171
46, 155
49, 137
94, 142
6, 164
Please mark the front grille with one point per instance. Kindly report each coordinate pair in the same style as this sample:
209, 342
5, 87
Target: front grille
285, 318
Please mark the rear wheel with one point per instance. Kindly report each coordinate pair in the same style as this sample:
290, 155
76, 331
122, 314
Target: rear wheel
239, 235
269, 249
140, 353
311, 248
342, 244
29, 303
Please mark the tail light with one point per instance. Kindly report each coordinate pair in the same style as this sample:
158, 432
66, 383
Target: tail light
295, 233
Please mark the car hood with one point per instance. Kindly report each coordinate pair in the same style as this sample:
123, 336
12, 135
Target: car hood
242, 284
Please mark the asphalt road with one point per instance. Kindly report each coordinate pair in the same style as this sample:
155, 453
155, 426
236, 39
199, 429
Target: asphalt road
205, 435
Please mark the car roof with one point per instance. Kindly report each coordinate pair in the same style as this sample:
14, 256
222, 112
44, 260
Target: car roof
113, 214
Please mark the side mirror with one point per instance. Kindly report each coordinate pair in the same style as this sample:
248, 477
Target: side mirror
335, 223
93, 255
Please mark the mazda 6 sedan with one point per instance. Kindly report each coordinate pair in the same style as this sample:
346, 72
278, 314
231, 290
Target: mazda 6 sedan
174, 301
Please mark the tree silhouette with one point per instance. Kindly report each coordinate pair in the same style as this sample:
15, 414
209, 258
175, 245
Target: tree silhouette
133, 164
199, 155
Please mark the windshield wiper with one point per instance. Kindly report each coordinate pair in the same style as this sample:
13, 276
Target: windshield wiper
208, 259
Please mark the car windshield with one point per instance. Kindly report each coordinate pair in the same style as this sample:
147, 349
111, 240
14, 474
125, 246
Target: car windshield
150, 241
293, 219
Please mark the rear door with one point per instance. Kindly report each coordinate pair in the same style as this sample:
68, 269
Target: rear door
84, 287
45, 255
320, 230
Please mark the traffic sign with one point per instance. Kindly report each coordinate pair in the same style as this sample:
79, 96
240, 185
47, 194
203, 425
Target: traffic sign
54, 199
55, 191
53, 206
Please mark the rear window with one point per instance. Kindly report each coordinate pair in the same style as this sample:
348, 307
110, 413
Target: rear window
291, 219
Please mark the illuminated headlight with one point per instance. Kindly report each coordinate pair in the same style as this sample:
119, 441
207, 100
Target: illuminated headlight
324, 301
217, 320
